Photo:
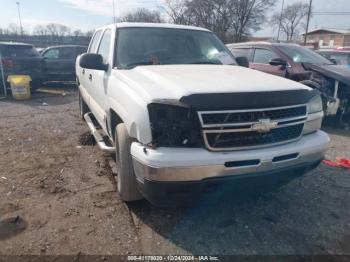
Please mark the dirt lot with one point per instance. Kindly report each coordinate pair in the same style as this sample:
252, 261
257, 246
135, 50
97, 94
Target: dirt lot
57, 197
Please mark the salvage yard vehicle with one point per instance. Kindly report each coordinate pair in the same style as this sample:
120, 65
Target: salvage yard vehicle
340, 57
21, 59
180, 115
305, 66
60, 62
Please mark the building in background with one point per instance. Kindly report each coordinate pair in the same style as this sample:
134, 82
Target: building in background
326, 38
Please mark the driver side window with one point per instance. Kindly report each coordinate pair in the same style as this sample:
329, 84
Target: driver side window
52, 54
263, 56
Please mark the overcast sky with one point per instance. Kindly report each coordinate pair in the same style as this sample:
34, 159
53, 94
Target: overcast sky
90, 14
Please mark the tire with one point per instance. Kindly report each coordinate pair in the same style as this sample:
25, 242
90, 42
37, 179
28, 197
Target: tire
84, 109
127, 185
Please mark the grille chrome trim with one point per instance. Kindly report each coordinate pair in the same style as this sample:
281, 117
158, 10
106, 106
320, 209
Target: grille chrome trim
213, 131
224, 128
201, 113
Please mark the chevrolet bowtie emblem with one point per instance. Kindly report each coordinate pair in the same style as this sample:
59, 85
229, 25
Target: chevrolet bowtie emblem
264, 125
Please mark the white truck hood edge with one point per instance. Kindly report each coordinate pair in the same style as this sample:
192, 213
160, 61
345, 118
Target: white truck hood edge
176, 81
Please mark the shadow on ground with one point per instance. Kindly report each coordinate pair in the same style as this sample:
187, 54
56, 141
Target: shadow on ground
308, 216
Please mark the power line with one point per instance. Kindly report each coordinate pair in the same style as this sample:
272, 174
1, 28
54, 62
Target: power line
332, 13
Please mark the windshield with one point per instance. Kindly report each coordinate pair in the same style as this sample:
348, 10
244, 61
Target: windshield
303, 55
162, 46
18, 51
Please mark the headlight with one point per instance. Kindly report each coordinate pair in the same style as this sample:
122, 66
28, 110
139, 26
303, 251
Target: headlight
312, 126
315, 105
174, 126
315, 115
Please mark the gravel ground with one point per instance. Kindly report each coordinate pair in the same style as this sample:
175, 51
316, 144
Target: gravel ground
58, 197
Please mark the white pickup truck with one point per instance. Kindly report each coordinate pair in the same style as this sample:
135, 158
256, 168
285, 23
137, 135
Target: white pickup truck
179, 113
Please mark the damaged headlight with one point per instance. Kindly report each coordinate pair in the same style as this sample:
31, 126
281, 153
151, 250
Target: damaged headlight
174, 126
315, 115
315, 105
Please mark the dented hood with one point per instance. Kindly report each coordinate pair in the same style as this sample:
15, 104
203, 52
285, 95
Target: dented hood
177, 81
337, 72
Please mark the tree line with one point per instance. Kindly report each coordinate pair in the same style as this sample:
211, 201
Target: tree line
51, 30
231, 20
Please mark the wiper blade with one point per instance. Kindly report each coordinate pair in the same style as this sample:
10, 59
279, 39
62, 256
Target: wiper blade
205, 63
133, 65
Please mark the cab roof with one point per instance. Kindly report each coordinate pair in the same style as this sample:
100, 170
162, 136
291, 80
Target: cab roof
15, 44
155, 25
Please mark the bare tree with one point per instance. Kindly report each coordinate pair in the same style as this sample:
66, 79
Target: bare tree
40, 30
77, 33
89, 33
63, 30
176, 10
248, 16
228, 18
291, 20
14, 29
52, 29
143, 15
57, 30
215, 15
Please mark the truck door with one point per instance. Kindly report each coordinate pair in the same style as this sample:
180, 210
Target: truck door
98, 79
261, 59
84, 73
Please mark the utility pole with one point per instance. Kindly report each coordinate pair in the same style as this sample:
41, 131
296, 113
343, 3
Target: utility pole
114, 18
308, 22
20, 19
279, 26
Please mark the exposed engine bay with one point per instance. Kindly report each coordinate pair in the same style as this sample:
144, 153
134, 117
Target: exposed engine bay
334, 84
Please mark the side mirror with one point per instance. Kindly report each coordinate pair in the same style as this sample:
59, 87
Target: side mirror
92, 61
242, 61
278, 62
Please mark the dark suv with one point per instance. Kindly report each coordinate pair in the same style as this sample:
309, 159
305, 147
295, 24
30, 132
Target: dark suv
21, 59
303, 65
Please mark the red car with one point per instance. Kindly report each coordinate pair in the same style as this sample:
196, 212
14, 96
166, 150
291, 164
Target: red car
303, 65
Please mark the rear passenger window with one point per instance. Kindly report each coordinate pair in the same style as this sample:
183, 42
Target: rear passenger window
94, 43
263, 56
238, 52
105, 45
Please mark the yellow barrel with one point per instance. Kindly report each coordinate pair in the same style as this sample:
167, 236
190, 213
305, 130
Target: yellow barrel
20, 86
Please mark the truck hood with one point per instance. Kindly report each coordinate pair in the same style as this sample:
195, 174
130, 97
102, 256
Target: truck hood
340, 73
177, 81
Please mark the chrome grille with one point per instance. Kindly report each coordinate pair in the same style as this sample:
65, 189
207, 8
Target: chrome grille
245, 129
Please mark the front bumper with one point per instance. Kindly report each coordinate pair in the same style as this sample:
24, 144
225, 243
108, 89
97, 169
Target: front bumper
198, 164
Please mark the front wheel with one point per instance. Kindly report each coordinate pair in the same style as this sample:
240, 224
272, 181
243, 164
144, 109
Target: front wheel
127, 185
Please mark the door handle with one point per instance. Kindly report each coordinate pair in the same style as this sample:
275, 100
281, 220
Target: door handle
83, 72
90, 77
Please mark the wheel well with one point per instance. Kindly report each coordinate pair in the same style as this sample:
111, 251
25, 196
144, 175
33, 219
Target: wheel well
115, 120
